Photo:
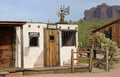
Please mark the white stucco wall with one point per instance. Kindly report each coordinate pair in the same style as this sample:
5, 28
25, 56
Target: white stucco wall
31, 54
18, 47
65, 51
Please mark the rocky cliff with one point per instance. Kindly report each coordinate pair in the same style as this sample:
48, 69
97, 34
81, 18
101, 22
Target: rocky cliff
102, 12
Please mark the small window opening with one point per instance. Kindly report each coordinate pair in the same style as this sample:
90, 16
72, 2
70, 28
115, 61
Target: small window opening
52, 38
29, 26
108, 33
33, 39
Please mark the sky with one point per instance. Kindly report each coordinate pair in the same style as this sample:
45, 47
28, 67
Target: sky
45, 10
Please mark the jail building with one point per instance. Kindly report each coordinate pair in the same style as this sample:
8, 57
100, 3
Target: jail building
36, 44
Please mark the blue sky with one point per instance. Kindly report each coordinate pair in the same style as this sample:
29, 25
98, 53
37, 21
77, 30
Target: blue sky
44, 10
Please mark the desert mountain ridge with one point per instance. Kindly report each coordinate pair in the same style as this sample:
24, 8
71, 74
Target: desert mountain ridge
102, 12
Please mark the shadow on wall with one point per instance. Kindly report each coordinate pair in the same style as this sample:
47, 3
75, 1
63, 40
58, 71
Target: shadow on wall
26, 51
67, 63
40, 61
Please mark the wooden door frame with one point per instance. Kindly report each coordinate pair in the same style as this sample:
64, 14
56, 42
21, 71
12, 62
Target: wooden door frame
13, 46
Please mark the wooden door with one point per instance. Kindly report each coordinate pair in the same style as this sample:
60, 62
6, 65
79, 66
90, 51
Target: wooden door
6, 47
51, 48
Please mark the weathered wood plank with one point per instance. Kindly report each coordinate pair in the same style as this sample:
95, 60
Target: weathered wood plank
6, 47
90, 62
57, 47
52, 52
72, 61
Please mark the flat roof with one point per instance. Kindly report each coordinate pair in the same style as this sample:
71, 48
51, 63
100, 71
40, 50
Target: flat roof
12, 23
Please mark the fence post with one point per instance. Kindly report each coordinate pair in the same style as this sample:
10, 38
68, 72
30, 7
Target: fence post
77, 50
107, 64
72, 61
90, 62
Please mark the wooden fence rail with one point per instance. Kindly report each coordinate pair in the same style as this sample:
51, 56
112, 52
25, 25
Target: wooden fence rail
79, 58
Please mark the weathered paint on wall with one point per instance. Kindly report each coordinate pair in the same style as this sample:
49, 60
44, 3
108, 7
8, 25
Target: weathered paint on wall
34, 56
40, 61
31, 54
65, 51
18, 47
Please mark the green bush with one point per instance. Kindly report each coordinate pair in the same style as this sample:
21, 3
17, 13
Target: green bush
106, 42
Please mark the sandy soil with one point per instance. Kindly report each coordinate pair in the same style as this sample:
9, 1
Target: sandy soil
115, 72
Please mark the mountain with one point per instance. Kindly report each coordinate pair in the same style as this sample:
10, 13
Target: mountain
102, 12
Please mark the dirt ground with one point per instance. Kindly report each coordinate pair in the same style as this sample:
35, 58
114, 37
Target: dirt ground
115, 72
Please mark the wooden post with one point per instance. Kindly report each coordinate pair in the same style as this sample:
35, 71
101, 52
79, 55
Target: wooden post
93, 46
81, 44
107, 64
72, 61
22, 47
77, 51
90, 61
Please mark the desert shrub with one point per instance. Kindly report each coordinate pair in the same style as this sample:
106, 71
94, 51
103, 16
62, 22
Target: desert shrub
106, 42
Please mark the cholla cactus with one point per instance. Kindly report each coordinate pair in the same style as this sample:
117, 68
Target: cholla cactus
106, 42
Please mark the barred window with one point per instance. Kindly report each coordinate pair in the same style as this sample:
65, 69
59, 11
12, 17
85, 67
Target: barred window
33, 39
68, 38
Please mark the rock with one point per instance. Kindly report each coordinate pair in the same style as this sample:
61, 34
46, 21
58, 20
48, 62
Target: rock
102, 12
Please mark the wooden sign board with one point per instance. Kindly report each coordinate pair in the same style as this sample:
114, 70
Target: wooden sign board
34, 34
51, 26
